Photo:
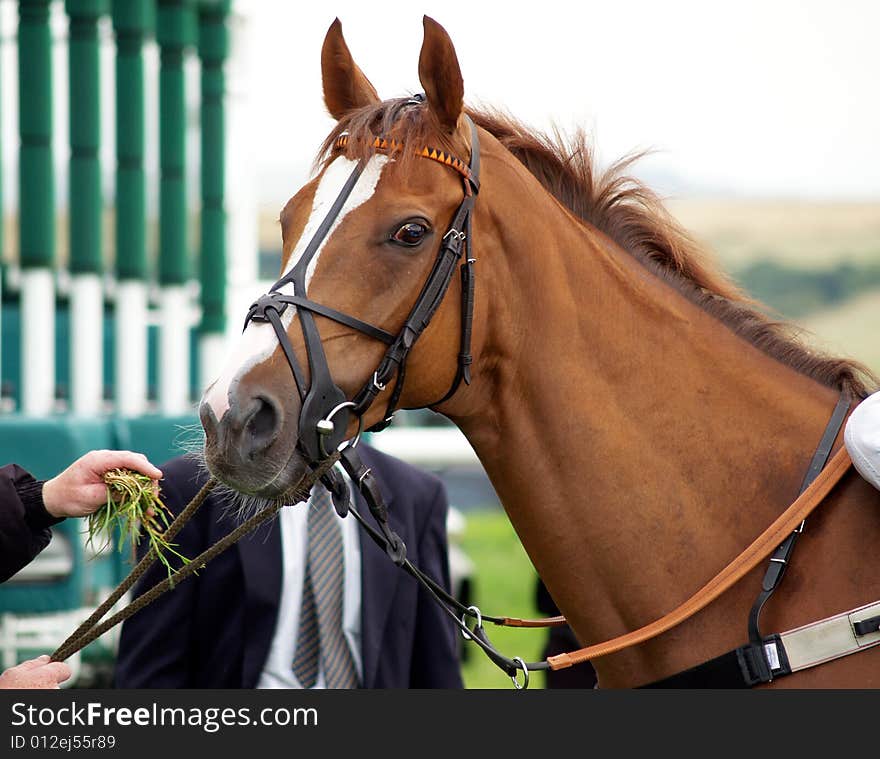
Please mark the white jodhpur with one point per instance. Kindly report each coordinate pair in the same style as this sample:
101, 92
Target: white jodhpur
862, 438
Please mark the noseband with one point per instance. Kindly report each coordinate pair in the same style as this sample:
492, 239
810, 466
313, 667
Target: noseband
325, 411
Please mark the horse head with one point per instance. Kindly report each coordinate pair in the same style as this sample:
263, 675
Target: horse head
339, 329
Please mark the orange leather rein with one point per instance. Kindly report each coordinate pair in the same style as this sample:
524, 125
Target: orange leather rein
759, 549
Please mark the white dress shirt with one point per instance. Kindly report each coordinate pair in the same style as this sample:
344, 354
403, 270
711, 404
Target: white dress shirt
278, 669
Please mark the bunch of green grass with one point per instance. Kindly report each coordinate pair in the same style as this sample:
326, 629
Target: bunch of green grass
133, 507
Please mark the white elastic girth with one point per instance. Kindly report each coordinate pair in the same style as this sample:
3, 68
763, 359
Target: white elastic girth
830, 638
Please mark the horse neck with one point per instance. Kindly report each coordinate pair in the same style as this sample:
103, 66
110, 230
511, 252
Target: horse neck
636, 443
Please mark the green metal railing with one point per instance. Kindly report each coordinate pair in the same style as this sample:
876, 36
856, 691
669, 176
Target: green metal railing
182, 29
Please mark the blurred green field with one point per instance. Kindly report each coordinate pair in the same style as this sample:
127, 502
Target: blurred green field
504, 586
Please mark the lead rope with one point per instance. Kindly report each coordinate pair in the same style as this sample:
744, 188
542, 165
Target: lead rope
90, 630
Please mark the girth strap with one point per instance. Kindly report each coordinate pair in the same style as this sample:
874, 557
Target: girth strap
784, 653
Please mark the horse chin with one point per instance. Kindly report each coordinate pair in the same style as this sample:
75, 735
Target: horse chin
265, 478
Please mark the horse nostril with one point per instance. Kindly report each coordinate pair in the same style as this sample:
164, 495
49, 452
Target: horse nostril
208, 420
262, 426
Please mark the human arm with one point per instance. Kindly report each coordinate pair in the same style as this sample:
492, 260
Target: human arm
862, 438
24, 522
29, 507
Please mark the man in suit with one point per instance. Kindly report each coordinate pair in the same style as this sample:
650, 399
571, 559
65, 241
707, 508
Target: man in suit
235, 624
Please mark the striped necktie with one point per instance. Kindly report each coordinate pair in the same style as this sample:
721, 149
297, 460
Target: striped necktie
320, 639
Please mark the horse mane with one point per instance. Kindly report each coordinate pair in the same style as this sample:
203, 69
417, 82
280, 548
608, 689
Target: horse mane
628, 212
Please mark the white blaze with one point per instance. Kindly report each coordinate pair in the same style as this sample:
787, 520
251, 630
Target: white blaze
258, 341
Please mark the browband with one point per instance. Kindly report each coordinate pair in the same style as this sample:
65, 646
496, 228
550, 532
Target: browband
390, 145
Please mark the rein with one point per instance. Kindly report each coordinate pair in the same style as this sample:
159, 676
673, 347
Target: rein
819, 482
788, 522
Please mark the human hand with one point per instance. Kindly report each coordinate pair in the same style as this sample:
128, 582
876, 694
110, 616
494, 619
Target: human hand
80, 489
35, 673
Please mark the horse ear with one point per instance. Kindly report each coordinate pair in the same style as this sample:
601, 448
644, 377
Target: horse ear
440, 75
345, 86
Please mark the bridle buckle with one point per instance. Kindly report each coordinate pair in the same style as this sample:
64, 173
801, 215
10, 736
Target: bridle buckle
257, 311
458, 236
326, 426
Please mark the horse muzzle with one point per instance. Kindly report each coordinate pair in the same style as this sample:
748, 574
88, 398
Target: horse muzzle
248, 447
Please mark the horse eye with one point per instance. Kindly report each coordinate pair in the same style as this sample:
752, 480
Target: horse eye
411, 234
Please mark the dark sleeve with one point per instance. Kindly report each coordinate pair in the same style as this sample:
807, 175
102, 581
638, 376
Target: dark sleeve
544, 601
24, 521
154, 642
436, 662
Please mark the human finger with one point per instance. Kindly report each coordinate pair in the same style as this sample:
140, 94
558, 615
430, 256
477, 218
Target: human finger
128, 460
46, 676
58, 671
34, 663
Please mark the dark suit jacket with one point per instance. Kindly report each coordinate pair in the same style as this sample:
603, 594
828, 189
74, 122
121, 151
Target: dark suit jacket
214, 630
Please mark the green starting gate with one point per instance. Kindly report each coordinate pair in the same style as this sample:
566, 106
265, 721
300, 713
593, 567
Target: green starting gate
99, 351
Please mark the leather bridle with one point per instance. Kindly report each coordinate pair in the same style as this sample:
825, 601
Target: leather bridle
325, 411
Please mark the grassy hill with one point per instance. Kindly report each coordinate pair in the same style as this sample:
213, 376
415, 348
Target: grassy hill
798, 233
816, 263
850, 329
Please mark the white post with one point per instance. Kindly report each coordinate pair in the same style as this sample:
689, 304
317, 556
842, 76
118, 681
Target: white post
87, 344
242, 235
175, 323
130, 378
212, 357
37, 342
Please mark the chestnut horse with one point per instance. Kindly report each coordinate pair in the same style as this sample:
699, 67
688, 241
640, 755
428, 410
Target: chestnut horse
640, 418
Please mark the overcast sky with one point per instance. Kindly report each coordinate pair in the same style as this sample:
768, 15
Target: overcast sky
747, 97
